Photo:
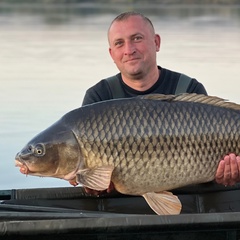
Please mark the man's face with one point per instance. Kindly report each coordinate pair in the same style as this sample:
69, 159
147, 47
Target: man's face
133, 46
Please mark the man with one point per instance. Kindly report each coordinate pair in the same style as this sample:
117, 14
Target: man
133, 45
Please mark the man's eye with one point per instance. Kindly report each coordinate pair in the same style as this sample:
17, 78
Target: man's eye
137, 38
119, 43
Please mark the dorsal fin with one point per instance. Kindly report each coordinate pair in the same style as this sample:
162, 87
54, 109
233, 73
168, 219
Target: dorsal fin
193, 97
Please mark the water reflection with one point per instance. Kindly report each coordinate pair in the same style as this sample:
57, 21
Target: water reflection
51, 54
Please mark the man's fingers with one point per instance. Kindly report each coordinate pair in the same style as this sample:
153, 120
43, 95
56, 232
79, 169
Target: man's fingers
91, 191
220, 172
227, 171
95, 192
238, 163
234, 168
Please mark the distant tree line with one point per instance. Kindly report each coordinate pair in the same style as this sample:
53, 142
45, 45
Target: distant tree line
127, 1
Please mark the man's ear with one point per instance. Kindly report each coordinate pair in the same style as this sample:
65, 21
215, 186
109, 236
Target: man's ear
110, 52
157, 42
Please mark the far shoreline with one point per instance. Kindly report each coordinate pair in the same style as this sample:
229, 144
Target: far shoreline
130, 2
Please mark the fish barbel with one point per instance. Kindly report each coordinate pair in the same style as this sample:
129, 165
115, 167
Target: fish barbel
146, 145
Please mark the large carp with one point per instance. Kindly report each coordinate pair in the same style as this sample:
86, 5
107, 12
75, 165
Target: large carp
144, 145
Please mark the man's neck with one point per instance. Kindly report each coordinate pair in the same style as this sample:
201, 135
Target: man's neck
143, 84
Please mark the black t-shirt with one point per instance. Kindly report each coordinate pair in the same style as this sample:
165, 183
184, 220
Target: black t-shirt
166, 84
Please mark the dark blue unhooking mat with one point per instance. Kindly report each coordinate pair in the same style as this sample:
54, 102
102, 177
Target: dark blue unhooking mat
70, 213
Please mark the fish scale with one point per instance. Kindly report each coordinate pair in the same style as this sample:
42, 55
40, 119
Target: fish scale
143, 145
166, 131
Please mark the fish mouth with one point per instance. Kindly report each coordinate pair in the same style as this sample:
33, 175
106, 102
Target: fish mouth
23, 167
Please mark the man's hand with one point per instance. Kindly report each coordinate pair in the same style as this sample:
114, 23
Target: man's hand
95, 192
228, 172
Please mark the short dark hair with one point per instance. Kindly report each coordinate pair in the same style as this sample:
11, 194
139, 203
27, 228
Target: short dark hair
126, 15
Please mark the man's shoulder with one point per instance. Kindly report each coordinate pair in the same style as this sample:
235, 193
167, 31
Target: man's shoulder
173, 74
184, 83
101, 84
98, 92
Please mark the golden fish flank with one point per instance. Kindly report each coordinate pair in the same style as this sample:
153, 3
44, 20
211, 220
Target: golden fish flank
146, 145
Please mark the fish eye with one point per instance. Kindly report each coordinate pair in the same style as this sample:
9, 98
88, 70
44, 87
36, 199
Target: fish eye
39, 150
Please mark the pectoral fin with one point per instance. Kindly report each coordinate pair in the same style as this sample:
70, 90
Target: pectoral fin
164, 203
98, 178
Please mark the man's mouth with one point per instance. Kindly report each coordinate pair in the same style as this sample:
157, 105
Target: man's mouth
131, 60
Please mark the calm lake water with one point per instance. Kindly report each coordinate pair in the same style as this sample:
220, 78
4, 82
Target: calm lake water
50, 55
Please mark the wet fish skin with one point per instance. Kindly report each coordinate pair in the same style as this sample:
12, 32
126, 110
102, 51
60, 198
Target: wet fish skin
52, 153
189, 143
143, 145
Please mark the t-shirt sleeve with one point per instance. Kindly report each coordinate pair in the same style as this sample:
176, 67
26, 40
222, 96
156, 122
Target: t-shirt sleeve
97, 93
90, 97
196, 87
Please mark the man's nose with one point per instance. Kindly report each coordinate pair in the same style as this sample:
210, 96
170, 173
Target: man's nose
129, 48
